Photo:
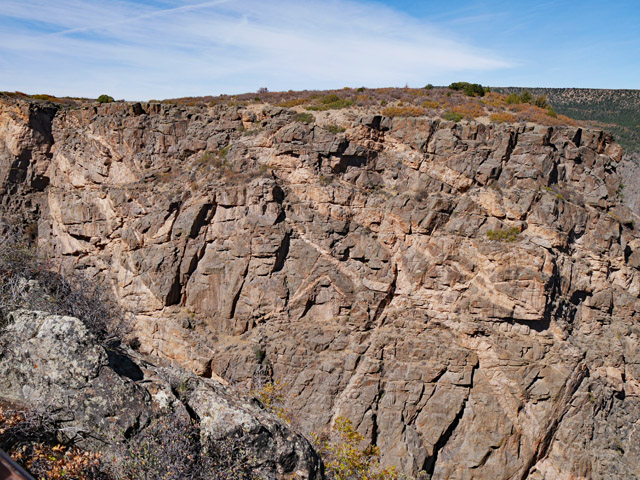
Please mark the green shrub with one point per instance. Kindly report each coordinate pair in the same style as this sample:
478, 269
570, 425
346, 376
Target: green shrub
526, 97
331, 102
104, 99
259, 354
541, 102
223, 152
428, 86
470, 89
453, 116
509, 235
335, 128
304, 118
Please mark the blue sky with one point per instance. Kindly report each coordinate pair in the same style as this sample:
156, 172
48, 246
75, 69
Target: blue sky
171, 48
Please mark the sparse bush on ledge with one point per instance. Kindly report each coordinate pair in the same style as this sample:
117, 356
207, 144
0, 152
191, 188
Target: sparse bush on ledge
335, 129
345, 459
453, 116
304, 118
509, 235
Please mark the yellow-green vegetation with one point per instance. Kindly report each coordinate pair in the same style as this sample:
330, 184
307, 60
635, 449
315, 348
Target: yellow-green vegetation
271, 396
104, 99
453, 116
333, 128
507, 235
214, 159
346, 460
223, 152
526, 97
44, 96
293, 102
341, 448
431, 104
304, 118
330, 102
402, 111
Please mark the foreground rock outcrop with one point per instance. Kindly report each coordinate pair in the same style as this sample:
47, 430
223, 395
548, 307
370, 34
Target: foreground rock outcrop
466, 293
101, 398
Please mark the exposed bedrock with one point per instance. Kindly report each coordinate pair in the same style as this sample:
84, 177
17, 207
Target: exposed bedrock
100, 398
466, 293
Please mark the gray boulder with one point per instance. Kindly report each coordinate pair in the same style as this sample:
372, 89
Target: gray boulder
104, 399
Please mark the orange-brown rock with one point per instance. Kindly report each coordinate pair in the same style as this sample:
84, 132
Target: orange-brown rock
466, 293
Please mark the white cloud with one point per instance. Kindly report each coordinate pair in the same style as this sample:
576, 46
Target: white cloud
135, 50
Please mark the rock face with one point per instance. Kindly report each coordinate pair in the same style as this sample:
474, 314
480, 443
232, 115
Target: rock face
102, 397
465, 293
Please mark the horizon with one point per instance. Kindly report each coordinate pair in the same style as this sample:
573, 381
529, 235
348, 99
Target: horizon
30, 94
147, 49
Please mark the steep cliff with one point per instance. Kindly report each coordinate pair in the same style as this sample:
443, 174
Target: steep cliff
466, 293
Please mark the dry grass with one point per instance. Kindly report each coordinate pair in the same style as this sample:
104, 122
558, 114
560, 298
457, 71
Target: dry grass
503, 117
30, 439
391, 101
402, 111
30, 281
470, 110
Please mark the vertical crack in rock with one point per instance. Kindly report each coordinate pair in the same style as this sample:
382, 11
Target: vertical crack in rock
282, 253
560, 409
430, 462
387, 299
513, 142
577, 138
236, 296
175, 291
202, 219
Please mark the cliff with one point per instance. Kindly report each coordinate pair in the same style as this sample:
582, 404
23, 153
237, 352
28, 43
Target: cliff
466, 293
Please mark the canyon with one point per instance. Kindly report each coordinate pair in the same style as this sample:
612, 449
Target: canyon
466, 293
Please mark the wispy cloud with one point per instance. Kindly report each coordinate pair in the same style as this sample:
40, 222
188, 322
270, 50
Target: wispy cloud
143, 50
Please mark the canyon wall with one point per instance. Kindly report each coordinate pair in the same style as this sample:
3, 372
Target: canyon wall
466, 293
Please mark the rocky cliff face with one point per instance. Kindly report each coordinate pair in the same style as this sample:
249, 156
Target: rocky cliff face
466, 293
102, 398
